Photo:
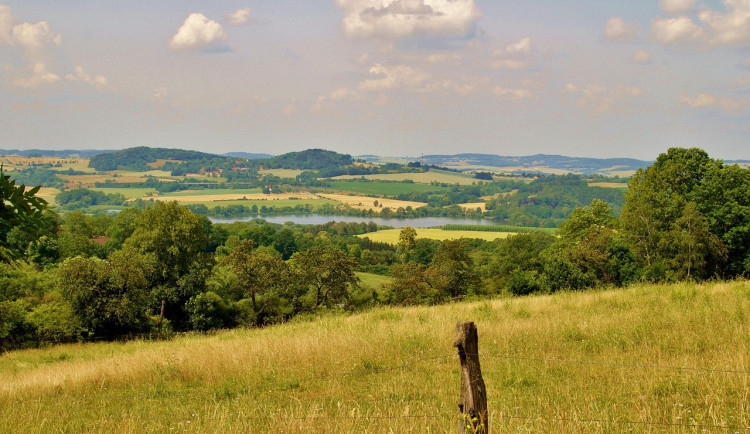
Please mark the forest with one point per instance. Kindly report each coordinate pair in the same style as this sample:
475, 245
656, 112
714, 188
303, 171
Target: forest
162, 268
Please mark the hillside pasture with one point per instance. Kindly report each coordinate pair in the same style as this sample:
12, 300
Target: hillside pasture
650, 358
390, 236
89, 181
281, 173
129, 193
621, 185
204, 196
14, 161
213, 192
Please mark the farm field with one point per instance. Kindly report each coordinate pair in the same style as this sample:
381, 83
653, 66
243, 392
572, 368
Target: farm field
212, 192
649, 358
622, 185
372, 281
314, 203
202, 197
473, 206
367, 202
422, 178
129, 193
281, 173
375, 188
390, 236
79, 164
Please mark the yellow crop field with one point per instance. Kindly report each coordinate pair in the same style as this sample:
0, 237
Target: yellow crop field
473, 206
78, 164
421, 177
390, 236
609, 184
281, 173
367, 202
200, 198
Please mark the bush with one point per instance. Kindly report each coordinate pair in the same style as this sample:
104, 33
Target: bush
209, 311
56, 322
15, 329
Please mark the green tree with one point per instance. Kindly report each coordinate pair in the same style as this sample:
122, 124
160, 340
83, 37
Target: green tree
263, 275
20, 209
455, 267
174, 239
325, 274
407, 242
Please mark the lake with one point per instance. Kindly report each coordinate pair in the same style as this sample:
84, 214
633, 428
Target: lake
317, 219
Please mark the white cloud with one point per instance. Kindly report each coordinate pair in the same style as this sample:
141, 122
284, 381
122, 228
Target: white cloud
641, 56
617, 30
391, 77
197, 32
513, 94
40, 76
732, 27
707, 100
676, 30
98, 82
676, 7
7, 18
290, 109
240, 17
516, 55
600, 99
35, 35
396, 19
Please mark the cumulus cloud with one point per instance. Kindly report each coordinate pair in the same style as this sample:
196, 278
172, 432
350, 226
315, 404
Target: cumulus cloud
641, 56
390, 77
396, 19
617, 30
707, 100
40, 75
676, 7
600, 99
97, 82
677, 30
516, 55
35, 35
733, 27
240, 17
7, 18
198, 32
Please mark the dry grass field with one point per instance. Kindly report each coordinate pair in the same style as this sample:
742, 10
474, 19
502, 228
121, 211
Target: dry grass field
367, 202
650, 358
204, 197
281, 173
622, 185
473, 206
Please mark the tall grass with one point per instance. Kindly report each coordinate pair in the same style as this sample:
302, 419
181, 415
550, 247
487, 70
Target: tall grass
647, 359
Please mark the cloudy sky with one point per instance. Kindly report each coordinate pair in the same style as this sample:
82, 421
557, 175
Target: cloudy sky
600, 78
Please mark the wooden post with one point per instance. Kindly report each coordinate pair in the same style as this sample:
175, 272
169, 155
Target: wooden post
473, 400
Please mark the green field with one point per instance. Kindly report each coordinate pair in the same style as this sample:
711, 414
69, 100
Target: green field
213, 191
666, 358
390, 236
282, 173
390, 189
373, 281
129, 192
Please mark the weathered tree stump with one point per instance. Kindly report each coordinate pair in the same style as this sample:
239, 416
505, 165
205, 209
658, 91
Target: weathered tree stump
473, 400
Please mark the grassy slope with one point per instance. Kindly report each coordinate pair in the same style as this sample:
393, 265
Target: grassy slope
570, 362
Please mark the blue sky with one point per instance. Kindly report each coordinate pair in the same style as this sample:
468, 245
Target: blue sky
389, 77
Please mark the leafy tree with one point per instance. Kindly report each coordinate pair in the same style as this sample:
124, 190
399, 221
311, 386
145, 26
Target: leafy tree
414, 284
455, 267
263, 275
109, 297
19, 209
175, 240
209, 311
407, 242
325, 274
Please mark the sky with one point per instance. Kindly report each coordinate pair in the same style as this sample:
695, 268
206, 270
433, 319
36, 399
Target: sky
585, 78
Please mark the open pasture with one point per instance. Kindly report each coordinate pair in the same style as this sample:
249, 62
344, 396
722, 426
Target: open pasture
621, 185
213, 192
129, 193
650, 358
276, 203
368, 203
201, 197
89, 181
390, 236
281, 173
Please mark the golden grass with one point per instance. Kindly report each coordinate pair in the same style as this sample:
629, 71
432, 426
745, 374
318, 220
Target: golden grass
609, 184
473, 206
367, 202
668, 358
390, 236
49, 194
281, 173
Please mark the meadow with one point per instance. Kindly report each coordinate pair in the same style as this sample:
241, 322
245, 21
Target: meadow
390, 236
650, 358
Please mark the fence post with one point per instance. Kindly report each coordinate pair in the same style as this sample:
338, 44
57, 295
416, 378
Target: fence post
473, 400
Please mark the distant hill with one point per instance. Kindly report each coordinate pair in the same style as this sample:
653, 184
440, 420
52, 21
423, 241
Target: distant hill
65, 153
537, 163
138, 158
311, 159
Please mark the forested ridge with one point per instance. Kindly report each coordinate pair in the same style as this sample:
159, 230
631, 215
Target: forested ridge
164, 268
